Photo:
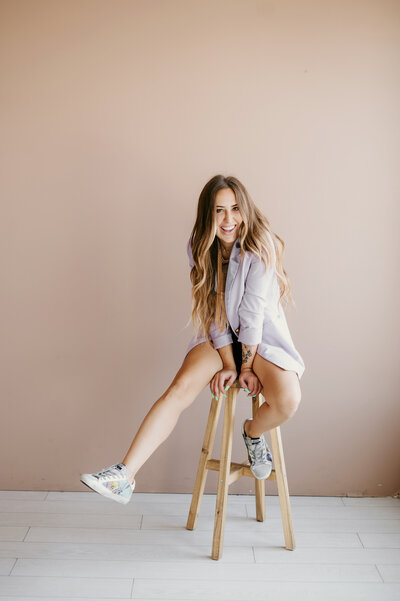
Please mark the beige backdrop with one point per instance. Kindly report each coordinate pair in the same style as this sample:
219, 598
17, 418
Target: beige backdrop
114, 115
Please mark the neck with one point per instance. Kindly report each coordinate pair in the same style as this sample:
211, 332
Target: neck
226, 247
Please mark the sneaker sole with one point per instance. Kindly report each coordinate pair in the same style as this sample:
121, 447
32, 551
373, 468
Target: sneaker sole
263, 477
93, 485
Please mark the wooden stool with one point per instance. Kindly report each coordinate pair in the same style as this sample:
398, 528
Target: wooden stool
230, 472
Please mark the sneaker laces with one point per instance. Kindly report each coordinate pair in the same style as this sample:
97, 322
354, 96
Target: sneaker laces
258, 451
111, 473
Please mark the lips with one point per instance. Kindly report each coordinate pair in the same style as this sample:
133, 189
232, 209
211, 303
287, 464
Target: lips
228, 231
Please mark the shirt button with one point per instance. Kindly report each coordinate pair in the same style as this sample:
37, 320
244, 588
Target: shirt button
237, 330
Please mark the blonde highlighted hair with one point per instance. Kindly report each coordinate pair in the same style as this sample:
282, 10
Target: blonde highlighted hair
206, 252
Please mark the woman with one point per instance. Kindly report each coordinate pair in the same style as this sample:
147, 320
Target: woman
238, 282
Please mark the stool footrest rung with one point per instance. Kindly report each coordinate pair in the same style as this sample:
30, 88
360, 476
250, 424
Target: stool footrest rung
237, 470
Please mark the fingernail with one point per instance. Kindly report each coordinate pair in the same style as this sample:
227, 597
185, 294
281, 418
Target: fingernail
246, 390
226, 387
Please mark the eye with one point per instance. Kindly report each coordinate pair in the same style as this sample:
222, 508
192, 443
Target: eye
234, 208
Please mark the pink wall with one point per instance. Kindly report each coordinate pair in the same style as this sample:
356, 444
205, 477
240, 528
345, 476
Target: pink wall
114, 115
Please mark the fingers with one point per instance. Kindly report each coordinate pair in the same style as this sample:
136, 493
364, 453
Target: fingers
217, 385
221, 383
213, 387
256, 389
251, 385
253, 390
224, 384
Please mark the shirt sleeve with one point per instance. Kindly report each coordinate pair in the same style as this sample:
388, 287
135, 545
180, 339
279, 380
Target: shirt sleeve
260, 287
189, 252
219, 339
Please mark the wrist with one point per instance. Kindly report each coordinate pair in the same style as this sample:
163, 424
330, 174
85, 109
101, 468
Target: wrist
228, 365
243, 369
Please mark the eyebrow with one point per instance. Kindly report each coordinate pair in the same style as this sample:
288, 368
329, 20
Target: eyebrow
222, 206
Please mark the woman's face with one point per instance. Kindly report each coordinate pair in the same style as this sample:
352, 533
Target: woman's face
227, 216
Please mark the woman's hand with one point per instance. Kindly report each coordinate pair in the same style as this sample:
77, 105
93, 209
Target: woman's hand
225, 377
249, 380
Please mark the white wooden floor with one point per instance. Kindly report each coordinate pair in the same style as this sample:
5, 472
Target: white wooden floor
78, 545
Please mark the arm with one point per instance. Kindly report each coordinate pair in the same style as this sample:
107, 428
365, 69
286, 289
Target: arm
260, 290
258, 293
248, 354
226, 354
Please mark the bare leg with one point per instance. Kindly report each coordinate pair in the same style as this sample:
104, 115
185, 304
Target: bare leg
196, 371
281, 389
267, 418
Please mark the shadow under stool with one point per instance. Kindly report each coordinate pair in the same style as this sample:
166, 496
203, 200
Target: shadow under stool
230, 472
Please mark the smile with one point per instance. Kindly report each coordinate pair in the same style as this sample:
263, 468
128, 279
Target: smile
228, 229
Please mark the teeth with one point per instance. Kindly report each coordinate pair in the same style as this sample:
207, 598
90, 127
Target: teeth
228, 229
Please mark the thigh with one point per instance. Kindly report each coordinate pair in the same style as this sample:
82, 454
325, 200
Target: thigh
197, 370
281, 387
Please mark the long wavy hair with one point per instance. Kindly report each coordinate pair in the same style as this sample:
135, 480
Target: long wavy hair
253, 237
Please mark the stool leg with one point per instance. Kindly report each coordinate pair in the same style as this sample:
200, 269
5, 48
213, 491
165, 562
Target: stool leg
202, 471
259, 485
283, 489
224, 472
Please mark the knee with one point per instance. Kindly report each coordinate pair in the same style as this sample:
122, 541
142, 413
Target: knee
289, 405
179, 394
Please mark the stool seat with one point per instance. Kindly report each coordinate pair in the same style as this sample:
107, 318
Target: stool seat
230, 471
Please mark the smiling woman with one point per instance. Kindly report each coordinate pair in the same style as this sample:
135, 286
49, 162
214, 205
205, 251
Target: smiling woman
228, 218
238, 282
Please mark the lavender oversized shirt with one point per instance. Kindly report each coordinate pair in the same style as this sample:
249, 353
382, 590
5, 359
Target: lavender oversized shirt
251, 296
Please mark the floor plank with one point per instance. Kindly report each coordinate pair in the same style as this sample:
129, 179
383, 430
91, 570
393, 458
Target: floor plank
78, 545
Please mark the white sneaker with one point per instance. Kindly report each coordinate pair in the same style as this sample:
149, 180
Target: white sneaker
113, 482
259, 454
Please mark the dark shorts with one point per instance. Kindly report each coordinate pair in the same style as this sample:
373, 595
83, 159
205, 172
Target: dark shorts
237, 350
